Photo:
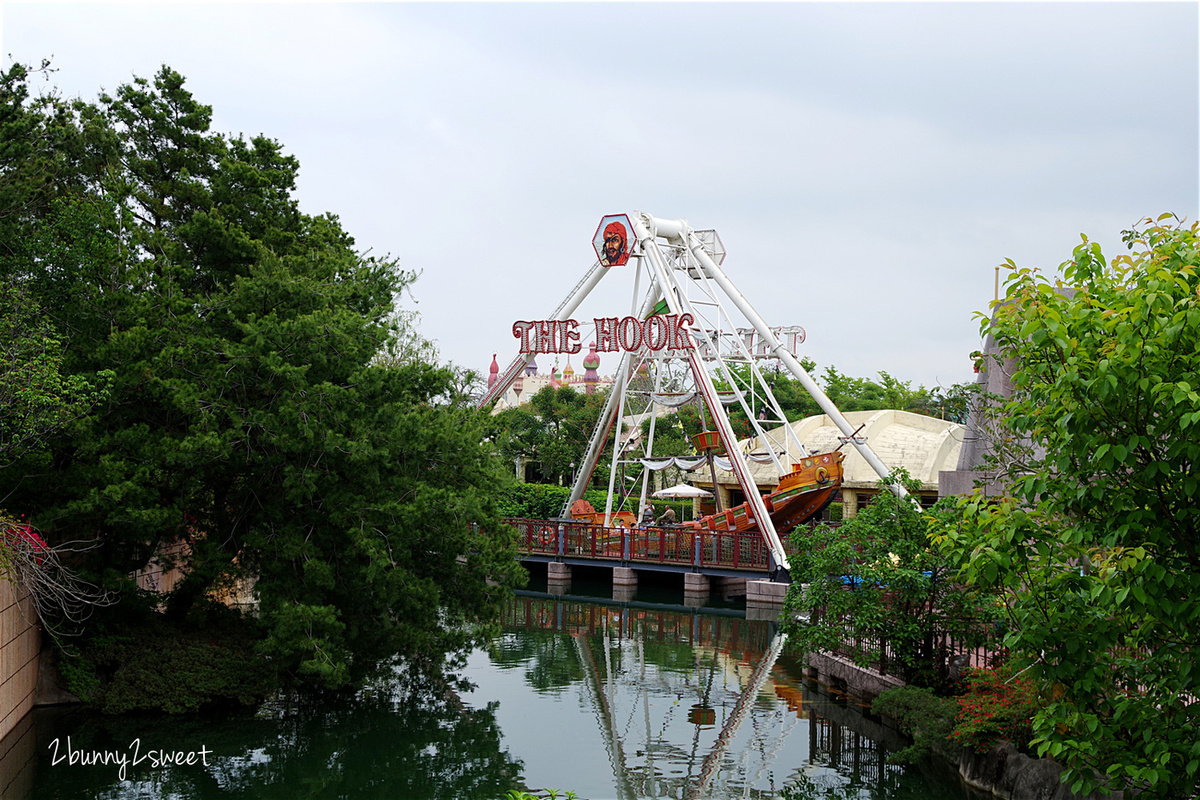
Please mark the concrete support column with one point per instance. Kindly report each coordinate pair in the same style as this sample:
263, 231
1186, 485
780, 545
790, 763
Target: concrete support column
695, 589
849, 502
764, 600
558, 576
765, 593
624, 576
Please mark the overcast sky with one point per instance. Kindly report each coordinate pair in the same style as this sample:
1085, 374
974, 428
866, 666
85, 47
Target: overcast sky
866, 165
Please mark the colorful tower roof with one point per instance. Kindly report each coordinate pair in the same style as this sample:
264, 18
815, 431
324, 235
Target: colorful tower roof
591, 362
493, 372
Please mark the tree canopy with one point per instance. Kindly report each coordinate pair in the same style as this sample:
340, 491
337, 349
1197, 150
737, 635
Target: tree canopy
848, 394
1096, 550
552, 429
36, 398
251, 418
874, 579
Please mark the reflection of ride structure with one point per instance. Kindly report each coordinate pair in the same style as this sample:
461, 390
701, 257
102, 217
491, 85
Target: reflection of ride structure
696, 726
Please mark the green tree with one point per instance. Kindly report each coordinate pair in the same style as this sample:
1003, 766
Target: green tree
1097, 551
552, 429
36, 399
863, 394
849, 394
250, 417
875, 579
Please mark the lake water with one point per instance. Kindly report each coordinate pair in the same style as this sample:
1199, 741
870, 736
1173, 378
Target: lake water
632, 700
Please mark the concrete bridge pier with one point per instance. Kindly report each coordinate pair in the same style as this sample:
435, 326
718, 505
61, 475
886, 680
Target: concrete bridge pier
558, 577
764, 599
624, 576
695, 589
624, 584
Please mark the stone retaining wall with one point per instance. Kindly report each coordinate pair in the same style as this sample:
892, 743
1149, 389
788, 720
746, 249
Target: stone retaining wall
1012, 775
19, 645
862, 682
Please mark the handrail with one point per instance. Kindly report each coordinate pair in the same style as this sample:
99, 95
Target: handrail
679, 545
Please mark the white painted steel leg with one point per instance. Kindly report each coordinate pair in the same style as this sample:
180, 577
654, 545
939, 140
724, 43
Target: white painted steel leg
780, 352
600, 434
741, 709
675, 301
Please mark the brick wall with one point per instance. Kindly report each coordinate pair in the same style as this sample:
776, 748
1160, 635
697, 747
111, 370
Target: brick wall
19, 644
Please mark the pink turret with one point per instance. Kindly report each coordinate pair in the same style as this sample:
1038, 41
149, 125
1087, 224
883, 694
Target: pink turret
493, 372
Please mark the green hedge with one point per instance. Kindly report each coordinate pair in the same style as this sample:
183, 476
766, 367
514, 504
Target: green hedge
545, 501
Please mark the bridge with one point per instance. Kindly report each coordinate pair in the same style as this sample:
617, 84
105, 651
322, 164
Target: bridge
698, 555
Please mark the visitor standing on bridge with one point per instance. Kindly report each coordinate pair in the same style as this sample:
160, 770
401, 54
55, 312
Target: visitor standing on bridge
647, 517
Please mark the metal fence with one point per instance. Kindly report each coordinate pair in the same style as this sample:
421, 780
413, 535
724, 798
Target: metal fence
980, 647
679, 545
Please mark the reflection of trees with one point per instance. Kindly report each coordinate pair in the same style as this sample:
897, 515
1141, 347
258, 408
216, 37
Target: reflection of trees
409, 738
651, 676
549, 659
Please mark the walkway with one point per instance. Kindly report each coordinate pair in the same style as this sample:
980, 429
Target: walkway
668, 549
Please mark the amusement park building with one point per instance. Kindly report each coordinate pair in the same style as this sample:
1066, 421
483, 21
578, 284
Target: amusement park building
532, 381
922, 445
993, 384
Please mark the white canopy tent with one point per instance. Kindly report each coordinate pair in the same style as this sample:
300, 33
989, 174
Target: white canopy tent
682, 490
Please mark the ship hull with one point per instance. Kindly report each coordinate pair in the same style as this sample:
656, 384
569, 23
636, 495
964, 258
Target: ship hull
801, 495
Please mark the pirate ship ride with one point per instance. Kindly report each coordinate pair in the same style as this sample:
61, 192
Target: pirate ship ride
692, 337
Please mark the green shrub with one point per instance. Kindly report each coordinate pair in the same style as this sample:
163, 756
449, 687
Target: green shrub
924, 716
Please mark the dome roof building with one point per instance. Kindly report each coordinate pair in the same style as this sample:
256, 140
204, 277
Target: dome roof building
924, 446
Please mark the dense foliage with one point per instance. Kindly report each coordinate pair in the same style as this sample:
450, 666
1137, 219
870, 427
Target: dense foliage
251, 423
875, 580
925, 716
36, 399
848, 394
1097, 551
552, 430
998, 705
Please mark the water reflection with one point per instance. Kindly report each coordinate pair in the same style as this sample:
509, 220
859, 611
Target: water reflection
685, 705
609, 701
411, 737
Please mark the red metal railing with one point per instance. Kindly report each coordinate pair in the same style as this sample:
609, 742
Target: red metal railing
655, 545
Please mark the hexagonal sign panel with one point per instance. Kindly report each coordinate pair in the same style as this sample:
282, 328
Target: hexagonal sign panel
712, 245
614, 240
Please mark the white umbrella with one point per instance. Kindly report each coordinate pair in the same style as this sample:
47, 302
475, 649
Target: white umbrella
682, 490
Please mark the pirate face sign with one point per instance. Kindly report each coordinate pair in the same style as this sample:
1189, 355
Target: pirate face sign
614, 240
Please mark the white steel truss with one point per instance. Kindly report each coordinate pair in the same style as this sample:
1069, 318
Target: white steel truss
682, 272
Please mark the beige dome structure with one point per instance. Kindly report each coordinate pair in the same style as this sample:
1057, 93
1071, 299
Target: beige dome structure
922, 445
